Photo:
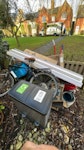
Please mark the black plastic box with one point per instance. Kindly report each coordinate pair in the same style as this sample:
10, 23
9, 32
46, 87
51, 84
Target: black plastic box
33, 101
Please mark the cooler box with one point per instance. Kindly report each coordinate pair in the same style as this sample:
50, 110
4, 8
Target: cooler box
33, 101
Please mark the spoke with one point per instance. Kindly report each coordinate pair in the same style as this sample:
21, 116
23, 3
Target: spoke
45, 80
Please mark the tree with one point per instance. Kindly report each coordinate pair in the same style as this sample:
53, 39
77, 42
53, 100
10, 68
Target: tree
81, 2
9, 19
4, 46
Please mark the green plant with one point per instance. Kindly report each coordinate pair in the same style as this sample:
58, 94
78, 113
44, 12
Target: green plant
2, 107
3, 48
45, 27
29, 29
82, 32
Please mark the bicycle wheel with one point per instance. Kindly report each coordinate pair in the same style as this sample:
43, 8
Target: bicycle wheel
46, 81
6, 82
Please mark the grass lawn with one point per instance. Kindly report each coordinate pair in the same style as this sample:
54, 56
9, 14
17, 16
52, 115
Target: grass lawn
73, 48
29, 42
73, 45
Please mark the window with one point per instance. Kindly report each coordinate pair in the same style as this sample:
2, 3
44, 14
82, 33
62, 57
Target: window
53, 18
43, 19
64, 16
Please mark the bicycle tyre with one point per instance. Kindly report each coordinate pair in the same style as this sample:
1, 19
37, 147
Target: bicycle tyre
6, 82
45, 80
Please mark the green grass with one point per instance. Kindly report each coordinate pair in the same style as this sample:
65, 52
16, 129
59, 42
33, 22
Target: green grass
73, 45
29, 42
73, 48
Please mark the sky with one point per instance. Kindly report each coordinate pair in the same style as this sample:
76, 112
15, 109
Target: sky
35, 4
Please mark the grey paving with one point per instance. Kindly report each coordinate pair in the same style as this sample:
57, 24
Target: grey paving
43, 49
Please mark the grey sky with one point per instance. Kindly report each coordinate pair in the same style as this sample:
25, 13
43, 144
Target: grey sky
36, 3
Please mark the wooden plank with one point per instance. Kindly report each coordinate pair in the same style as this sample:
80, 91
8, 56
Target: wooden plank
71, 66
55, 106
81, 69
58, 97
75, 66
40, 56
58, 101
55, 57
66, 65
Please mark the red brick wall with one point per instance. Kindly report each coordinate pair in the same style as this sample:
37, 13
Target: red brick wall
80, 23
42, 13
64, 8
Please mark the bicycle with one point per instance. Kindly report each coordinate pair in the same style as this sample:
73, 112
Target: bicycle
8, 77
40, 77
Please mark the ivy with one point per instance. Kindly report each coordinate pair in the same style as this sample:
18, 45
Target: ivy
3, 49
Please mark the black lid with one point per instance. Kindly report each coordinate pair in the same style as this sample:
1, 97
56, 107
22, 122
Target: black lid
32, 96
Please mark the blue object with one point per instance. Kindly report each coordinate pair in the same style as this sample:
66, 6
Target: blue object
20, 69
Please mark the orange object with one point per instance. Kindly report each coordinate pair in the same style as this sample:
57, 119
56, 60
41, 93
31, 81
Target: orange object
54, 50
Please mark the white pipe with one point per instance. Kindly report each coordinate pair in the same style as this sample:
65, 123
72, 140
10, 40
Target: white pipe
59, 68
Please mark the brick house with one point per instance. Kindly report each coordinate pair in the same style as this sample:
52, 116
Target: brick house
65, 14
61, 14
79, 24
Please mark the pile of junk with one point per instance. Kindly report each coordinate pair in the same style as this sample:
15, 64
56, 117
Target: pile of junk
49, 87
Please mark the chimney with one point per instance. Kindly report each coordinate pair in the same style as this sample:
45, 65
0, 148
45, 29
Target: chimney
52, 4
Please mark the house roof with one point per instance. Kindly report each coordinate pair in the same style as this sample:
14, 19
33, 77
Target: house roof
53, 11
80, 12
56, 9
65, 7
